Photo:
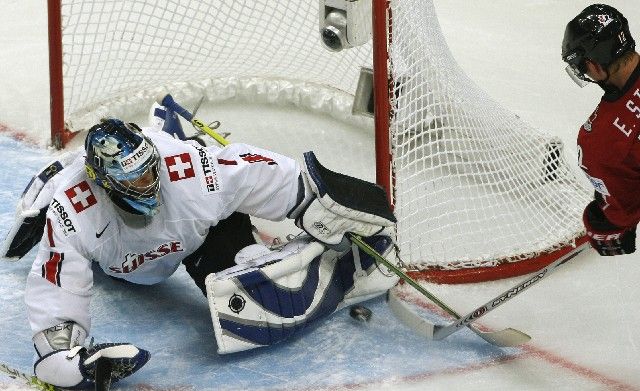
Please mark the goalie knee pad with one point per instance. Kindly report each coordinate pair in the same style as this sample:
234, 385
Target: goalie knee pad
266, 300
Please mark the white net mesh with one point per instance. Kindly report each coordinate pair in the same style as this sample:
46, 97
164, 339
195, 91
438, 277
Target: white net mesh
114, 50
474, 185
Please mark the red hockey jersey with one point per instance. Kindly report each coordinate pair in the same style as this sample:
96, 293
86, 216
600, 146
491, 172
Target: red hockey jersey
609, 152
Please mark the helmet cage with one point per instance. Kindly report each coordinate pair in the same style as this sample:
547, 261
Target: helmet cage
577, 75
127, 188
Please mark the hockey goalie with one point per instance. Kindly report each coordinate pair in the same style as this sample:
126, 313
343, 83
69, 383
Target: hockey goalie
141, 202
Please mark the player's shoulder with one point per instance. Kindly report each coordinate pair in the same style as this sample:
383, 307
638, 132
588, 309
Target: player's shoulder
188, 171
77, 199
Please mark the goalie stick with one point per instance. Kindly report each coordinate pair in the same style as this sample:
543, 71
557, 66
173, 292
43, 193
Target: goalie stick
438, 332
503, 338
103, 374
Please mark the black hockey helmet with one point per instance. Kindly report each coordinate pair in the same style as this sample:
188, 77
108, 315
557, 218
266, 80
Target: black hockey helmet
125, 162
599, 33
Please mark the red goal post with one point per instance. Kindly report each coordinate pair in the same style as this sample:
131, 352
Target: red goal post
478, 193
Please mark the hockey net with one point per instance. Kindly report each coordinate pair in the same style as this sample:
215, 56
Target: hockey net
478, 193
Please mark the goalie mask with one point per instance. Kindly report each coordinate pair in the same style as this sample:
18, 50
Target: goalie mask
124, 162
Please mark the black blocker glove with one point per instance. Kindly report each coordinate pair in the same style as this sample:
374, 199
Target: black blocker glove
607, 238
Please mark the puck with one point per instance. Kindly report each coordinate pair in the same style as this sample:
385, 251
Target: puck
360, 313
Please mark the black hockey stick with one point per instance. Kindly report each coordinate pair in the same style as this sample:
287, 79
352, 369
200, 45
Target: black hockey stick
103, 374
438, 332
503, 338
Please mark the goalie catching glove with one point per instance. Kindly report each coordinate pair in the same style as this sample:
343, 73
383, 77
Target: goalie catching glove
605, 237
64, 362
331, 204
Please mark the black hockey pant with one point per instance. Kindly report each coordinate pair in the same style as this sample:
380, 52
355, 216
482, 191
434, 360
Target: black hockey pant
219, 248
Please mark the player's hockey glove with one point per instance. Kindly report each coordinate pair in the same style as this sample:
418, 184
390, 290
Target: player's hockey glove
331, 204
607, 238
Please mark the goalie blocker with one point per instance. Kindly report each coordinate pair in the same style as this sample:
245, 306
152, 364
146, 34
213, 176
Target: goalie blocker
332, 204
29, 221
265, 300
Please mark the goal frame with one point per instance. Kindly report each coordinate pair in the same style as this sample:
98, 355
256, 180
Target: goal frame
382, 33
382, 29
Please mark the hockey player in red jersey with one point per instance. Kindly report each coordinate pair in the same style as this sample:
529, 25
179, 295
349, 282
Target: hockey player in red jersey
141, 203
599, 48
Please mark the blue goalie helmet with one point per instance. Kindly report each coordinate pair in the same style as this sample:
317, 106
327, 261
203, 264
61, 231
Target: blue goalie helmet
123, 161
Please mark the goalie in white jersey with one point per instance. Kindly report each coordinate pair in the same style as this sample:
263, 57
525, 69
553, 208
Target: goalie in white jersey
141, 203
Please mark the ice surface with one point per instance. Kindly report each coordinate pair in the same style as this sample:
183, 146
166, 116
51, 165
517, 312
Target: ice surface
582, 319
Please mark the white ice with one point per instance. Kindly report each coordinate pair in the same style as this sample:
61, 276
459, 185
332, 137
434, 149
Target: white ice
582, 318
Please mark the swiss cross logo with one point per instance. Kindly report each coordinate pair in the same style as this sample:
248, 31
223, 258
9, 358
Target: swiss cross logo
81, 196
179, 167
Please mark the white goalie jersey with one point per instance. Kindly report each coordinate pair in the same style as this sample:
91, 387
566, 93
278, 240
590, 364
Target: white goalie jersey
198, 187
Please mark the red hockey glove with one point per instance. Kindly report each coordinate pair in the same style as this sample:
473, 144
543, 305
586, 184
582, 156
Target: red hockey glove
605, 237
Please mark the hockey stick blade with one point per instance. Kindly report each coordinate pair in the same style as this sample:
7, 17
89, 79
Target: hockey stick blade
503, 338
441, 332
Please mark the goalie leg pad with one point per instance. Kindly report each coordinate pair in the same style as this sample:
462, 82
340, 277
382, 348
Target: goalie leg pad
165, 119
268, 300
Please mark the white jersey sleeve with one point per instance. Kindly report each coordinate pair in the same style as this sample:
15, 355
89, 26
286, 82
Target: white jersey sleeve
260, 183
60, 281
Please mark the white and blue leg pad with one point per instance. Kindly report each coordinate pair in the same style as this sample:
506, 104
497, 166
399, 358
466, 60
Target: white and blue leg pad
165, 119
272, 298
